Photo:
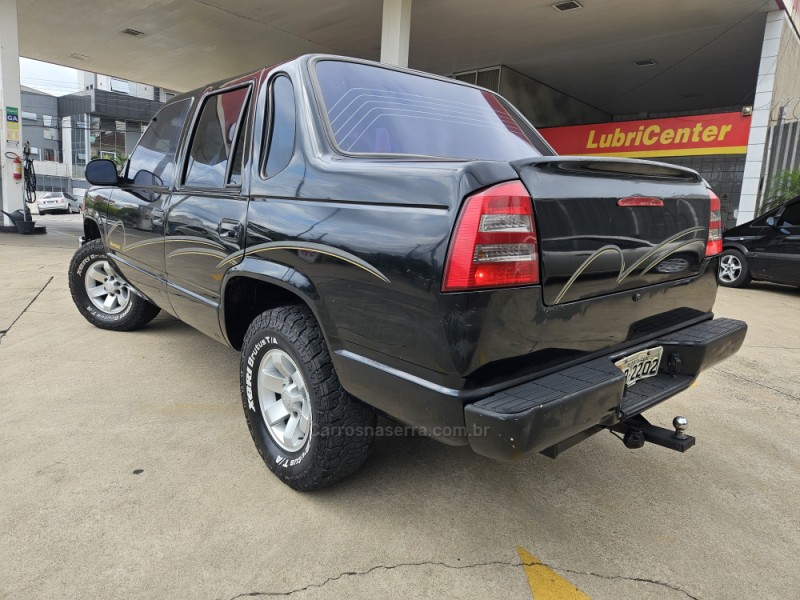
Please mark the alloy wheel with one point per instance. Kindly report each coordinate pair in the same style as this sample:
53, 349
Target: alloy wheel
730, 268
284, 400
106, 290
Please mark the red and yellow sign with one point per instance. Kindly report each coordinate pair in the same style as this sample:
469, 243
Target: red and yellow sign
721, 133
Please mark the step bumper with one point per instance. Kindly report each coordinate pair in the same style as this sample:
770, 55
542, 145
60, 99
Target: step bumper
577, 401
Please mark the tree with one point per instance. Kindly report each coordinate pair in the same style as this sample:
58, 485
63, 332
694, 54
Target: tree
119, 160
782, 188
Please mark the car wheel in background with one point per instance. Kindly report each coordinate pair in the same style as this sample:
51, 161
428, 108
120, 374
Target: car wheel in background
102, 296
733, 269
308, 430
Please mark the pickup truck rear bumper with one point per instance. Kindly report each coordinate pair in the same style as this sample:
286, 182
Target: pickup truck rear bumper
558, 410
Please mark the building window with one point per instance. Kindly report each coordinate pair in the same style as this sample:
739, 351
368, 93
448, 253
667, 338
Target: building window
118, 85
29, 116
49, 133
49, 154
49, 121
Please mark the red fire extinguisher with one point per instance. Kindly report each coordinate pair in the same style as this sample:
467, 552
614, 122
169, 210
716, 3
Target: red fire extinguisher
17, 168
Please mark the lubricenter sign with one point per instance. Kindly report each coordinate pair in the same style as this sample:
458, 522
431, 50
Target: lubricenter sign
720, 133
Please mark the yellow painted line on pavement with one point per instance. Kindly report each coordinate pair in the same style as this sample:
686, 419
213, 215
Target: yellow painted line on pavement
545, 583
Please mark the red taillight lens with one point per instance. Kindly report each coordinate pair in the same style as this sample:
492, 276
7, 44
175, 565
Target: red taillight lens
714, 243
494, 244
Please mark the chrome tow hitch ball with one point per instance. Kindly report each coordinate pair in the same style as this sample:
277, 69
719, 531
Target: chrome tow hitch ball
680, 424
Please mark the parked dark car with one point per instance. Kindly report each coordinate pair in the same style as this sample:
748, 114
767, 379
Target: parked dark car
766, 248
377, 240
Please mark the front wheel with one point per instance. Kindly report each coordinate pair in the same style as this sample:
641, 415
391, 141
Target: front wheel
102, 296
308, 430
733, 269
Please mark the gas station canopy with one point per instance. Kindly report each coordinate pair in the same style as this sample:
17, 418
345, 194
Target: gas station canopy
706, 52
728, 66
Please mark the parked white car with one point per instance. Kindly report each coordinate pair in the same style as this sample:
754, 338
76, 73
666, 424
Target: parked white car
58, 201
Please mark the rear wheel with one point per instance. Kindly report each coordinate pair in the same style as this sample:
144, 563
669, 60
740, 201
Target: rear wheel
102, 296
733, 269
308, 430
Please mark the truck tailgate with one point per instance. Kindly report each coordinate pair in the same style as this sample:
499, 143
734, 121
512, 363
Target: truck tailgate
609, 225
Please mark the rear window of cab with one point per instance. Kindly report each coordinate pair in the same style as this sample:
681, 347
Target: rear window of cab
381, 111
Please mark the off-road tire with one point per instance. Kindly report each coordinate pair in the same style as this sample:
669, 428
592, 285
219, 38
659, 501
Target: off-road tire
138, 312
341, 427
735, 257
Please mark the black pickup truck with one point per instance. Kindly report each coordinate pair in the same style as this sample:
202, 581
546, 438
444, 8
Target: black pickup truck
378, 241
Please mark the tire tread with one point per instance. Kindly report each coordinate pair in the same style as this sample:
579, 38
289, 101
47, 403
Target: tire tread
141, 313
336, 456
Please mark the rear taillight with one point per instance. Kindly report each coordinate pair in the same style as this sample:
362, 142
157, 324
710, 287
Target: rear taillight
494, 244
714, 243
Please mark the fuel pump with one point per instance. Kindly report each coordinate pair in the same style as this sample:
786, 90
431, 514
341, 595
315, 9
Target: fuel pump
29, 185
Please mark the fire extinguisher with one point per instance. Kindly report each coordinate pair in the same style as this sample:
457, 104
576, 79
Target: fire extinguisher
17, 168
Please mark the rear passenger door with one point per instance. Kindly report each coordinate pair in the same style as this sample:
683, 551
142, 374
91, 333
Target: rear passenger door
205, 223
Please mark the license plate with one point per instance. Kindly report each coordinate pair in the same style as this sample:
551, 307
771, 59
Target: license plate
641, 365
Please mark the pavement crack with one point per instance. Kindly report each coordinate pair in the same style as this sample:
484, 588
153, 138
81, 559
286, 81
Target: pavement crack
4, 332
758, 383
445, 565
635, 579
378, 568
776, 347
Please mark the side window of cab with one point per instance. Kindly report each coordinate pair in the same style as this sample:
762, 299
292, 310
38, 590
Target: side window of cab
790, 216
152, 163
215, 153
281, 127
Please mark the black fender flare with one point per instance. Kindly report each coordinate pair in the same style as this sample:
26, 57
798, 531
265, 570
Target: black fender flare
285, 277
90, 218
726, 245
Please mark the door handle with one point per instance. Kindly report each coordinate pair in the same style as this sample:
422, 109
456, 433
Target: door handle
228, 228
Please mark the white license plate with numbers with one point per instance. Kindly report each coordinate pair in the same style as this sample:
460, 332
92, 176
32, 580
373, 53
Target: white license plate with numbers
641, 365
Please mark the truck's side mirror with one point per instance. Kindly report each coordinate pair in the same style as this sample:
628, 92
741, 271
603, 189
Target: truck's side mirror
102, 171
146, 178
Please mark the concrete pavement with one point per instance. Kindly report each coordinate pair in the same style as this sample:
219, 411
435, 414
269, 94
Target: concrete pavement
85, 410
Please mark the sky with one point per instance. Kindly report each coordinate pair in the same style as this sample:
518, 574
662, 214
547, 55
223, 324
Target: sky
48, 78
